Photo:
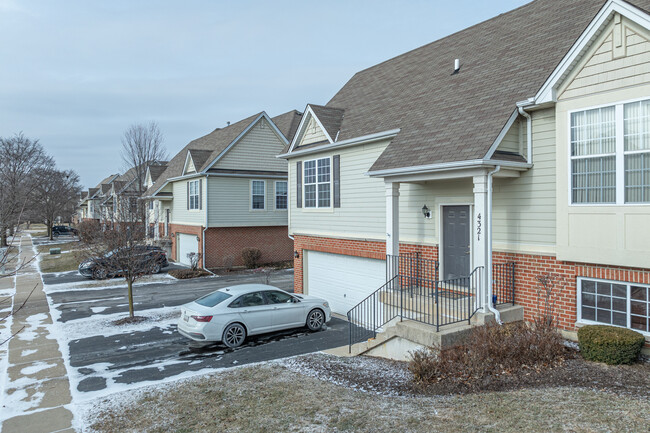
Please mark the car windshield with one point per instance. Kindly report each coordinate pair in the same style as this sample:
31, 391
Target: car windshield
213, 299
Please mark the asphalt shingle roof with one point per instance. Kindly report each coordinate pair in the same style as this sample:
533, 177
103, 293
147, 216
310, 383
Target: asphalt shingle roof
445, 117
216, 142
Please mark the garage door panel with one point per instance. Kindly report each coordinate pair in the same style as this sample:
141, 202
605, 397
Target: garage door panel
186, 244
342, 280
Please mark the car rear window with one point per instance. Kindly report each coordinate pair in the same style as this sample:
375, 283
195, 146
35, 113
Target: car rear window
213, 299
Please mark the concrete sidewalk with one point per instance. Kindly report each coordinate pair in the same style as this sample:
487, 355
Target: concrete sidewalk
36, 382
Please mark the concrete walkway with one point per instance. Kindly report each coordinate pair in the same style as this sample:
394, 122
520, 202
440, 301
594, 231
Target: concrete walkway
36, 383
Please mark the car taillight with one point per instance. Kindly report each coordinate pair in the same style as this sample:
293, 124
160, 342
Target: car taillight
202, 318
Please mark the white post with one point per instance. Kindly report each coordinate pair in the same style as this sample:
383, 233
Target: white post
392, 218
479, 234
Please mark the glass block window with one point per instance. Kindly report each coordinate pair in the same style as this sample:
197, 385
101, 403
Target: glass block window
614, 303
257, 194
593, 156
637, 151
317, 183
281, 201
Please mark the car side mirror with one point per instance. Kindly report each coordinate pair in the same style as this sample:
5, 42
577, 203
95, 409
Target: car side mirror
295, 300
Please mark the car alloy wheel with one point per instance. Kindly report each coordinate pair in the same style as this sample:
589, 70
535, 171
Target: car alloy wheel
315, 320
99, 274
234, 335
156, 268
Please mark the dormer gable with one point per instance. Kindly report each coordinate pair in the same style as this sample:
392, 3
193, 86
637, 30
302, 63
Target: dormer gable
189, 167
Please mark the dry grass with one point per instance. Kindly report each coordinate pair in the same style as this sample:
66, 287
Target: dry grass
59, 262
274, 399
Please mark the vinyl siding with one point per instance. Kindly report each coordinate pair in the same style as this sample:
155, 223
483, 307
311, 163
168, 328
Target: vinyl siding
255, 151
615, 235
362, 214
313, 133
512, 141
229, 204
180, 213
604, 69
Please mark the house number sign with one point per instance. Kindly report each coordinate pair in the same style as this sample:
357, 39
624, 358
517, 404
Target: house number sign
478, 227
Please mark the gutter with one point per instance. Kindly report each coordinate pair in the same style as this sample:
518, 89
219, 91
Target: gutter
206, 226
488, 247
364, 139
455, 165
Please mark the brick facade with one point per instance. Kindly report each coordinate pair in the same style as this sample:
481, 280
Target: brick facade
224, 244
528, 267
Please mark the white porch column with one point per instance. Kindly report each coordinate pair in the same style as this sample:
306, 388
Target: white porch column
479, 234
392, 218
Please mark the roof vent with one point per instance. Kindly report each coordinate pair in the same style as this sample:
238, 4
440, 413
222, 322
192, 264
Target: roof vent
456, 66
227, 123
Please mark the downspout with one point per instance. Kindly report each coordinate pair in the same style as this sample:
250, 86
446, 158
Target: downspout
206, 226
488, 246
529, 135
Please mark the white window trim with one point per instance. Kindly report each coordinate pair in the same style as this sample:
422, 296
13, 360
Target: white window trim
304, 202
619, 155
251, 194
197, 189
628, 284
275, 196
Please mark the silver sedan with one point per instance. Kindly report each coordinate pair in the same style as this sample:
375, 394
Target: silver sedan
231, 314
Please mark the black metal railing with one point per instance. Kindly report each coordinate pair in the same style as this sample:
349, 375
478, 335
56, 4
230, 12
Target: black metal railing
503, 283
414, 292
416, 274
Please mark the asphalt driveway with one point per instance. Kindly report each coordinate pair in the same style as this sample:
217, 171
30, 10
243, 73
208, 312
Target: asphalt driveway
108, 357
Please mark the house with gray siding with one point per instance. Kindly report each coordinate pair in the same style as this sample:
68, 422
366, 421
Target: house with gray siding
458, 173
227, 191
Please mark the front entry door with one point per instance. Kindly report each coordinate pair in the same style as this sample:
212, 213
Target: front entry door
456, 241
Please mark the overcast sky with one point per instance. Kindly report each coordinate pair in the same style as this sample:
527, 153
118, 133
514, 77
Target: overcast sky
76, 74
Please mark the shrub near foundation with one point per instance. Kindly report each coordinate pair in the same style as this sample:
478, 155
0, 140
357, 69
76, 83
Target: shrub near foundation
251, 256
490, 351
610, 344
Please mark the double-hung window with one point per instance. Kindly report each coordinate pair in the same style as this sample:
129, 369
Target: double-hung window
281, 201
614, 303
257, 194
593, 156
317, 183
194, 194
637, 152
610, 154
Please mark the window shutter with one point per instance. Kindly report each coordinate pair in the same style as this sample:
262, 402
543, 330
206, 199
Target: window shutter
200, 194
188, 196
336, 177
299, 184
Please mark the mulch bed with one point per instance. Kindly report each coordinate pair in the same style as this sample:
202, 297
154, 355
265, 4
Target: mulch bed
387, 377
184, 274
130, 320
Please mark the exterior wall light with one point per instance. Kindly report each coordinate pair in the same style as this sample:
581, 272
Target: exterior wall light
296, 255
426, 212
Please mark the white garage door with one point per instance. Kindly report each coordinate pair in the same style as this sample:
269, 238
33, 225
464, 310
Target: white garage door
186, 244
342, 280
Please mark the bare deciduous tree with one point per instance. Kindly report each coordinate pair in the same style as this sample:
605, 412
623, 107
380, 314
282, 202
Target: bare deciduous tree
120, 248
20, 158
55, 195
142, 145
